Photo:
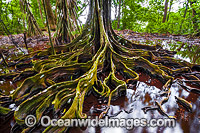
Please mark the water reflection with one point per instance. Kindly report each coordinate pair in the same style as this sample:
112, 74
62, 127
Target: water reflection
144, 95
7, 87
187, 48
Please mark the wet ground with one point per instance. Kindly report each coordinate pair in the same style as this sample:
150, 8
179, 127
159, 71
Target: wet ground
141, 94
33, 43
187, 47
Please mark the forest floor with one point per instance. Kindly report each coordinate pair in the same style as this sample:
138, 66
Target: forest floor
42, 42
154, 37
39, 42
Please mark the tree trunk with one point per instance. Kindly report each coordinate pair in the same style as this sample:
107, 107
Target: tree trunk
194, 19
115, 10
119, 9
165, 11
39, 5
51, 18
56, 10
33, 27
47, 20
67, 22
124, 8
184, 15
171, 1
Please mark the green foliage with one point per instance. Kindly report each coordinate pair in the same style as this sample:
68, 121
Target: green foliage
146, 16
136, 15
185, 50
11, 15
36, 12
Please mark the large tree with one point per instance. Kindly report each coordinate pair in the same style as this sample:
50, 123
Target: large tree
92, 62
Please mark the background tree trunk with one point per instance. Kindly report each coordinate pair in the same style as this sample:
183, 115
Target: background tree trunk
165, 11
171, 2
39, 5
118, 24
51, 17
184, 14
194, 19
124, 8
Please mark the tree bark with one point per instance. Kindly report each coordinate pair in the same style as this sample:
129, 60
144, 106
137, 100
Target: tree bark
184, 14
47, 20
51, 18
165, 11
118, 24
171, 1
40, 10
194, 19
124, 8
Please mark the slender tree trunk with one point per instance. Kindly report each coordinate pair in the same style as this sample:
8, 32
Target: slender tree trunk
33, 27
186, 10
194, 19
116, 17
115, 10
124, 8
165, 11
50, 15
171, 1
40, 10
118, 24
23, 17
56, 10
7, 11
47, 19
184, 14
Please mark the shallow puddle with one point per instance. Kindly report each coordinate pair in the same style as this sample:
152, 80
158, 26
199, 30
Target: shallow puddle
142, 95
